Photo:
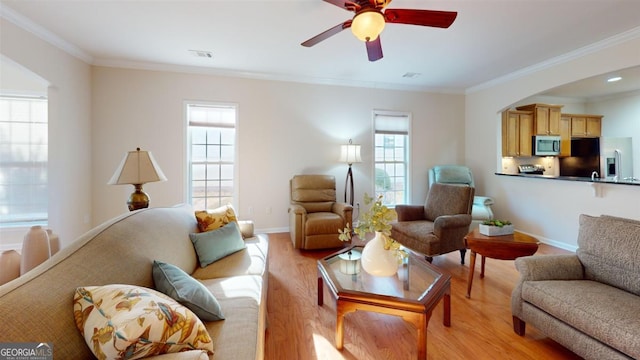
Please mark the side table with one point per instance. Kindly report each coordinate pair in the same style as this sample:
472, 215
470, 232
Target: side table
504, 247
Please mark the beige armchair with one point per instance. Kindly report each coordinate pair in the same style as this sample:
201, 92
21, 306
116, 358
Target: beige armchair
459, 174
314, 215
439, 226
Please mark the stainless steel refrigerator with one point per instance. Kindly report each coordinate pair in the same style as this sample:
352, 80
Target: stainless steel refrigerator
616, 158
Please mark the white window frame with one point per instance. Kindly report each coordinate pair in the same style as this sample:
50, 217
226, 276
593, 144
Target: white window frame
383, 124
188, 163
35, 158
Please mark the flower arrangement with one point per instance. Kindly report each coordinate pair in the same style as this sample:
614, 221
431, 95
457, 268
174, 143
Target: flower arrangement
377, 218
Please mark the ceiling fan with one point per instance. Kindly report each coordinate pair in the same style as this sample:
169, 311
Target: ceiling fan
369, 20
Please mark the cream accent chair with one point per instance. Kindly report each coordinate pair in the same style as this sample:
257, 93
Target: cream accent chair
314, 215
458, 174
440, 225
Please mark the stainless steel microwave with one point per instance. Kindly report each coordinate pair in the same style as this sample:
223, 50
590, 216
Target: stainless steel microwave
546, 145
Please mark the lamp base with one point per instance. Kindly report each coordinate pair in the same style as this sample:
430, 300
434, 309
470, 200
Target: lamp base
138, 199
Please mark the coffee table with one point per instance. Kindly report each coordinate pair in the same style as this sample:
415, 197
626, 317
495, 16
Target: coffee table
412, 293
504, 247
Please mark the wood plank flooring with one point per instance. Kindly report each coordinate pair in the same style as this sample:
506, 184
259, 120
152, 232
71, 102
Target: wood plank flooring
480, 329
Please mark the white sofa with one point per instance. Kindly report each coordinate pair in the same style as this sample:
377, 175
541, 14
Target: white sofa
37, 307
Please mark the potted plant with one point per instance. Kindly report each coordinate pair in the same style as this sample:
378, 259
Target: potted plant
496, 227
381, 255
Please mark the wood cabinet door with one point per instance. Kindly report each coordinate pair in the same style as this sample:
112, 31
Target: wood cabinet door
525, 132
554, 121
542, 120
593, 126
565, 136
578, 126
510, 137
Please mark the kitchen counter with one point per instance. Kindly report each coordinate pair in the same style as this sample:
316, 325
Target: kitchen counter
574, 178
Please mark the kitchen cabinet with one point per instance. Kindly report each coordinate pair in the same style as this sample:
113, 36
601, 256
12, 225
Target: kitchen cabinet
565, 135
585, 125
546, 118
517, 129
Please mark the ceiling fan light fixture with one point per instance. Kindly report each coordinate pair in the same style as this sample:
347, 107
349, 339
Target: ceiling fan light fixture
367, 24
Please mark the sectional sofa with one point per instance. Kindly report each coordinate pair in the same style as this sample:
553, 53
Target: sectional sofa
39, 306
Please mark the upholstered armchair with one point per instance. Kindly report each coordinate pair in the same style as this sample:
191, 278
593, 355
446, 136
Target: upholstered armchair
458, 174
314, 215
440, 225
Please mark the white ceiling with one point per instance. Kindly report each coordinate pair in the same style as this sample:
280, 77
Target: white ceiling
489, 39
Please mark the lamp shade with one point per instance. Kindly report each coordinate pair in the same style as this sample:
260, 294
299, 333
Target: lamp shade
137, 167
350, 153
367, 25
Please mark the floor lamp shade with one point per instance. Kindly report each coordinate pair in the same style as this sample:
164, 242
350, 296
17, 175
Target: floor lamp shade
137, 167
349, 153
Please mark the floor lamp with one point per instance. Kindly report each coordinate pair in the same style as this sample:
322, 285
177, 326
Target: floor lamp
349, 153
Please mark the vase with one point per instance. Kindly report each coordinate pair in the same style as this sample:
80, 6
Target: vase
35, 248
9, 266
378, 261
54, 242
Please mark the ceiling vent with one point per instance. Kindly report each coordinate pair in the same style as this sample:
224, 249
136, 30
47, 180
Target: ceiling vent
411, 75
202, 54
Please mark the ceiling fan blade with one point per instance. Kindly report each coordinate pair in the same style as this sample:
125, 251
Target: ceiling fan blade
347, 5
327, 34
434, 18
374, 49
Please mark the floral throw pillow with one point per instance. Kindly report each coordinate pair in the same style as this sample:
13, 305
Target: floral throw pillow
216, 218
132, 322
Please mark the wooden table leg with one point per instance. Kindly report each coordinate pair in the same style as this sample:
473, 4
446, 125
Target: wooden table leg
320, 291
446, 302
482, 258
472, 267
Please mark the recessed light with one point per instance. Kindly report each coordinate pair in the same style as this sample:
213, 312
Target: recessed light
614, 79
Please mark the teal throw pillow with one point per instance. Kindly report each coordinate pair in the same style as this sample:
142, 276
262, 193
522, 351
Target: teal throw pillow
213, 245
180, 286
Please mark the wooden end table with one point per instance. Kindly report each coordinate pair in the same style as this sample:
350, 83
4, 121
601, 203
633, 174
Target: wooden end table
412, 293
504, 247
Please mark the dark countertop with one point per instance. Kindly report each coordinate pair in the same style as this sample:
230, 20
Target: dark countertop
574, 178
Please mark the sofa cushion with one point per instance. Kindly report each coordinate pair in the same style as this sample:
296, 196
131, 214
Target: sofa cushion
214, 245
244, 299
608, 247
605, 313
215, 218
180, 286
250, 261
126, 321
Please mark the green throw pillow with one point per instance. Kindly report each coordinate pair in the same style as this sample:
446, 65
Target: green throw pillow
180, 286
213, 245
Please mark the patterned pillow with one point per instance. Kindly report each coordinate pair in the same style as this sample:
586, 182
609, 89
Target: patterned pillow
214, 219
132, 322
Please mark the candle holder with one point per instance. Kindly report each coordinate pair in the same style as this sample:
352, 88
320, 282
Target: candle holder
350, 262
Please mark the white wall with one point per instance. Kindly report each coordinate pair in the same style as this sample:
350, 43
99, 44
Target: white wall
284, 129
548, 209
622, 120
69, 127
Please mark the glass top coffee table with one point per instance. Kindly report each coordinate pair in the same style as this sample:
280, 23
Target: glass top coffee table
412, 293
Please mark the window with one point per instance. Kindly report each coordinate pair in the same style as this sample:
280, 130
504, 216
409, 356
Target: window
391, 149
23, 161
211, 154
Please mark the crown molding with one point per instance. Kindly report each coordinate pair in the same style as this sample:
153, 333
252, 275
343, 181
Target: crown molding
578, 53
27, 24
189, 69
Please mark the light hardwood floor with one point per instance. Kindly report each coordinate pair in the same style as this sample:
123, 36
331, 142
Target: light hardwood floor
481, 327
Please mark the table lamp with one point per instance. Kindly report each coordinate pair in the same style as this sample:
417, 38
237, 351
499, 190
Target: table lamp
138, 167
